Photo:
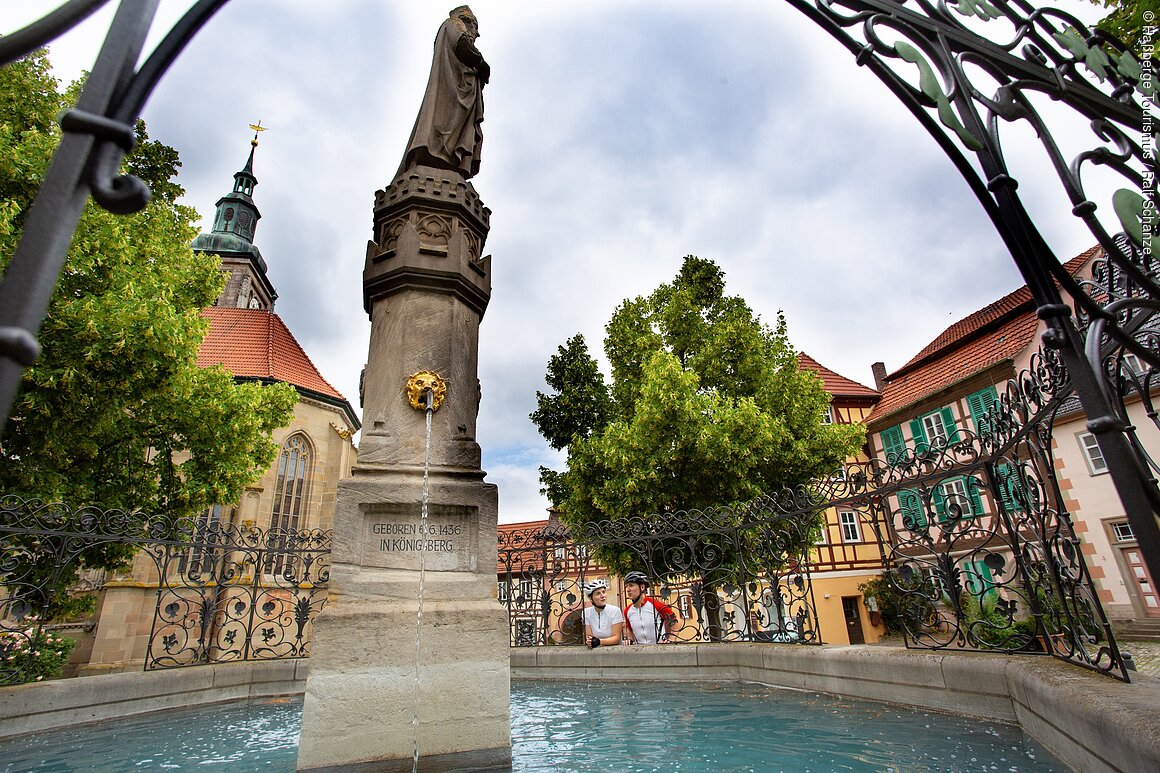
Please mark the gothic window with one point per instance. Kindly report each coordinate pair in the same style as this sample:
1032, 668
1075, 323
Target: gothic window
290, 491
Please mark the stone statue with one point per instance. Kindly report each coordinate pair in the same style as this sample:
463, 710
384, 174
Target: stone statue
447, 133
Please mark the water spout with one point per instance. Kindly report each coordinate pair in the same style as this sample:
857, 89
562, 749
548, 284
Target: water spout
425, 391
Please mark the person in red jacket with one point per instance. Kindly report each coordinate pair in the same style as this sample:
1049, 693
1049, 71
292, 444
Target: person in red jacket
649, 621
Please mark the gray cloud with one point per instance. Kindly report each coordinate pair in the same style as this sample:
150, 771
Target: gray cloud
620, 136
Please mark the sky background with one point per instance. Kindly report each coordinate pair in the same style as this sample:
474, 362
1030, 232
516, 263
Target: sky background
620, 136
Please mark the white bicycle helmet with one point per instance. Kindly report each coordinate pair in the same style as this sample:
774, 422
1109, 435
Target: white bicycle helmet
593, 586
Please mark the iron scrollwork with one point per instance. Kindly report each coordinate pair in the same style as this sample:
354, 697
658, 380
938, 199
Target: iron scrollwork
980, 544
967, 69
730, 574
96, 135
224, 591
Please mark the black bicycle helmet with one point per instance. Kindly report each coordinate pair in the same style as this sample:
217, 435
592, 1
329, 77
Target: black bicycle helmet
638, 577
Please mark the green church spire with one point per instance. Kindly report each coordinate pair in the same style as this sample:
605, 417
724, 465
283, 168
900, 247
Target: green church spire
232, 238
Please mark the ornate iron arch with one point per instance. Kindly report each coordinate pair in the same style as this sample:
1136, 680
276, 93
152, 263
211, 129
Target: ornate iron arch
932, 56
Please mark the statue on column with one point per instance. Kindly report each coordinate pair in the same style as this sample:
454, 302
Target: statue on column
448, 133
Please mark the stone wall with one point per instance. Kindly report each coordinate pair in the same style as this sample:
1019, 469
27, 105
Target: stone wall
29, 708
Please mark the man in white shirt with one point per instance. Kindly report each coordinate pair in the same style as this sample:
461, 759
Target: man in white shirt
603, 625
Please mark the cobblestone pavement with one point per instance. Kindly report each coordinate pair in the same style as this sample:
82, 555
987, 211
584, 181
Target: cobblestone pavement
1146, 654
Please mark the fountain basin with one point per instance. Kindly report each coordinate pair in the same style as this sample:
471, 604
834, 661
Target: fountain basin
1095, 723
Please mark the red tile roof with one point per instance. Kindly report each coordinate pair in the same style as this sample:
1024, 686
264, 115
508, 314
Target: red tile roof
255, 343
997, 332
834, 383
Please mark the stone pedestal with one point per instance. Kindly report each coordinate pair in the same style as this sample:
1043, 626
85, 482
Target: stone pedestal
426, 288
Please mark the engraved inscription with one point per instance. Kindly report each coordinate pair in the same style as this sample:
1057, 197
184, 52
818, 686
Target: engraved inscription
396, 537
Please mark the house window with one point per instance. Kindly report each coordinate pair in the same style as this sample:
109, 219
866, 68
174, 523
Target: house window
559, 553
849, 522
828, 415
1096, 463
932, 425
504, 591
561, 586
936, 429
1132, 364
685, 606
1123, 532
955, 494
525, 591
958, 498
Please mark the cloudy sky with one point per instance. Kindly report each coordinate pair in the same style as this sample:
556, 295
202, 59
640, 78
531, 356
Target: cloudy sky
621, 135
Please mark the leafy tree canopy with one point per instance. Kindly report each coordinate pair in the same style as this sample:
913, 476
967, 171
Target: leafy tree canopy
116, 412
707, 406
1126, 22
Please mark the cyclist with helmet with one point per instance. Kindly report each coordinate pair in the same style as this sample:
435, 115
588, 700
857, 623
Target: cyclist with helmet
603, 624
650, 621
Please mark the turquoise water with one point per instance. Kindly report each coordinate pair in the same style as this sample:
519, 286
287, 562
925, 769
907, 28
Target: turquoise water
564, 726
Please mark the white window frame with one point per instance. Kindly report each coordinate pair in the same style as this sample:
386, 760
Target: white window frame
1133, 363
1097, 464
828, 415
929, 423
955, 491
1123, 532
502, 592
848, 522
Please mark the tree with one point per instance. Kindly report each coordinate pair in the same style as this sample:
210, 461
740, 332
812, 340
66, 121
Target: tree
707, 406
116, 413
1126, 21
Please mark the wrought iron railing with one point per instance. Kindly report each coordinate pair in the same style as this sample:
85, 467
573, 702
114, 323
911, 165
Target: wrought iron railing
977, 72
223, 592
730, 574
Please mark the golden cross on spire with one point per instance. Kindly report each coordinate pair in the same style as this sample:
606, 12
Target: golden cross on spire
257, 127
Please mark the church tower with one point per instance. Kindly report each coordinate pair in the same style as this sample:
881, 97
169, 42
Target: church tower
232, 238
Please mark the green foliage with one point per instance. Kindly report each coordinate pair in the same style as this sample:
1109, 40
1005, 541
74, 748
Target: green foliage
116, 412
581, 402
1127, 21
34, 654
894, 606
707, 407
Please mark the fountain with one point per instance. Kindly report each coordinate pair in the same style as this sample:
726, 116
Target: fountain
409, 666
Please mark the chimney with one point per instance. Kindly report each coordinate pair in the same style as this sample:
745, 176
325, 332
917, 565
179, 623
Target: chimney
879, 371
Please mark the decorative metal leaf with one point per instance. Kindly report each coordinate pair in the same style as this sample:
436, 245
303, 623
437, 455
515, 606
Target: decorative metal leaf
1093, 57
980, 8
1129, 207
929, 84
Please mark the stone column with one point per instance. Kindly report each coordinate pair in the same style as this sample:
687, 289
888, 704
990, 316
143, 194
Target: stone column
425, 287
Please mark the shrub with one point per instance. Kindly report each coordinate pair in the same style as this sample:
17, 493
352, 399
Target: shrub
32, 654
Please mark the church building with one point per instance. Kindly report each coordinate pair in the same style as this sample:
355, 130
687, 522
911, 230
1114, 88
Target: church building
298, 492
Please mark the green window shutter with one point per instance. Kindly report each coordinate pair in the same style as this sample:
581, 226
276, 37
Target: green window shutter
911, 506
1009, 486
978, 580
982, 405
939, 500
893, 445
972, 485
921, 446
952, 430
